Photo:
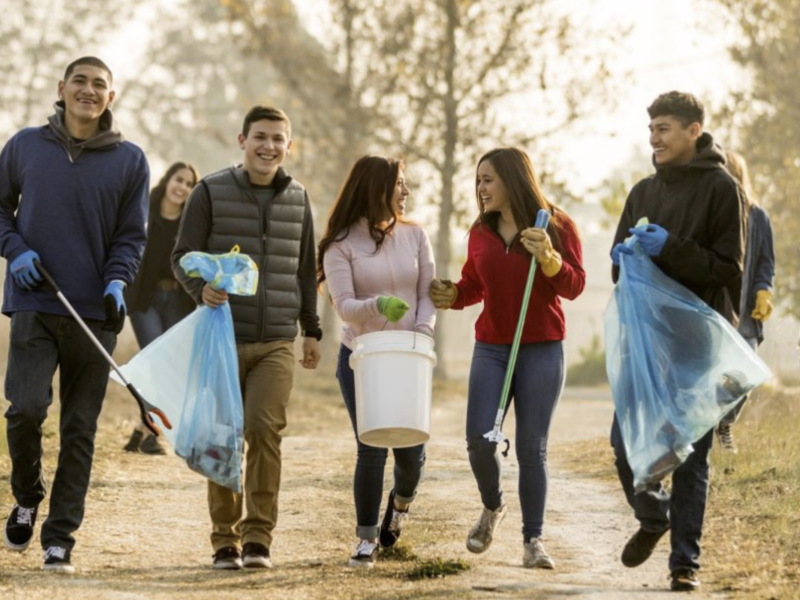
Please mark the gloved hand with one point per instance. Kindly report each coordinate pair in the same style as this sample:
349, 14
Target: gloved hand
114, 303
443, 292
392, 307
24, 271
763, 309
651, 239
537, 242
618, 249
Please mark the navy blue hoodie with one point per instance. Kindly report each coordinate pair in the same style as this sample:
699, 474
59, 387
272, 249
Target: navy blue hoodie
81, 206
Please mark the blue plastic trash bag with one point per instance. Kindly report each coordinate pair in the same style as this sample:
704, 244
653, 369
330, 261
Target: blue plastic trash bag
191, 372
233, 272
675, 365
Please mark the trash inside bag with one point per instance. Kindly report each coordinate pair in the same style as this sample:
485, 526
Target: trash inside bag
675, 365
211, 426
233, 272
191, 372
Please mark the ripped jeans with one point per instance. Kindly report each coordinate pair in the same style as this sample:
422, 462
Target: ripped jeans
535, 389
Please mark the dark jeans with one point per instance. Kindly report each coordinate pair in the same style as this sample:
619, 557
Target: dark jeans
371, 462
39, 344
683, 510
535, 388
166, 308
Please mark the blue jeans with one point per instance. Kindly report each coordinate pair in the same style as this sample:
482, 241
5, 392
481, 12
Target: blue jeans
371, 463
683, 510
733, 415
40, 343
166, 308
535, 388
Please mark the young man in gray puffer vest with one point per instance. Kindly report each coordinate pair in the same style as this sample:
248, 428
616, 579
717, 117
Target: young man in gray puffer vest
258, 206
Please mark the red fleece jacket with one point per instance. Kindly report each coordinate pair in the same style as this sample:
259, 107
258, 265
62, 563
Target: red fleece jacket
497, 275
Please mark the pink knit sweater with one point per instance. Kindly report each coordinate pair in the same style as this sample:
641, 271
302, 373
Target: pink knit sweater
356, 275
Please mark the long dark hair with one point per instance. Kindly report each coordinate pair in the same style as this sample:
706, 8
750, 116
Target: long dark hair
157, 193
515, 170
367, 192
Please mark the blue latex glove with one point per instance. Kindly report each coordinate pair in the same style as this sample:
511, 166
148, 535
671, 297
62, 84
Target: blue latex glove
24, 271
618, 249
651, 239
114, 303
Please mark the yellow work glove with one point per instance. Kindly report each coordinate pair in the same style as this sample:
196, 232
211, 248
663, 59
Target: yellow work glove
443, 292
763, 309
537, 242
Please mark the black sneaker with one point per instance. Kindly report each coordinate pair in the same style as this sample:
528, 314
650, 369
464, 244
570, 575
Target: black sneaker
256, 556
56, 560
19, 528
227, 558
153, 445
684, 580
640, 547
134, 442
392, 524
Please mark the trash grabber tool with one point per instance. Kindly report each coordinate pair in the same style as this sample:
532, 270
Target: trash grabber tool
496, 435
145, 408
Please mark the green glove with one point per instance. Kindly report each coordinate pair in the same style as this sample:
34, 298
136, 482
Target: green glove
392, 307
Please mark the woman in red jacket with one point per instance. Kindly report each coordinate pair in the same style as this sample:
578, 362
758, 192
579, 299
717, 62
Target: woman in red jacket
501, 242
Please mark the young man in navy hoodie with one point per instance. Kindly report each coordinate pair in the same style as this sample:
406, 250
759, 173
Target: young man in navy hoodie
73, 198
696, 237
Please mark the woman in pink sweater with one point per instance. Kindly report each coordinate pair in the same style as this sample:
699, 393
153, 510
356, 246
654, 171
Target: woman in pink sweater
378, 268
501, 242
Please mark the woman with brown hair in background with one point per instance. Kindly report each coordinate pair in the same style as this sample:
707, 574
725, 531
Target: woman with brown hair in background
156, 301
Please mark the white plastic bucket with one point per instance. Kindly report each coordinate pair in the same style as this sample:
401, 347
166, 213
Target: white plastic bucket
394, 380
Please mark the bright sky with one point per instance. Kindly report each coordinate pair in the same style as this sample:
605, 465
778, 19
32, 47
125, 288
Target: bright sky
670, 47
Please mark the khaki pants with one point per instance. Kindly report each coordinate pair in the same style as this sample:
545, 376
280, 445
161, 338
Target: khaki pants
266, 373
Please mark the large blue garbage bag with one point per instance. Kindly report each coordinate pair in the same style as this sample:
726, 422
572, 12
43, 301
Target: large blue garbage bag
675, 365
191, 372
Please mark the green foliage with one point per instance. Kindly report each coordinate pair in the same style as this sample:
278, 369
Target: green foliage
591, 370
765, 119
437, 568
399, 553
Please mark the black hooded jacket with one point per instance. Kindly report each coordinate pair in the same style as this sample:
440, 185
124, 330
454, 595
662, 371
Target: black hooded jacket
703, 209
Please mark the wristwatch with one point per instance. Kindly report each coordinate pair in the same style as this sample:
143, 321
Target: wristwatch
317, 334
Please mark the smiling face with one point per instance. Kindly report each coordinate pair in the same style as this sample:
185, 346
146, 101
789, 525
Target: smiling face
673, 144
400, 195
86, 95
265, 147
491, 191
179, 186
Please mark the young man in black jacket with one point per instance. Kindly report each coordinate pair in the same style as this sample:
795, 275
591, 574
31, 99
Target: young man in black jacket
696, 236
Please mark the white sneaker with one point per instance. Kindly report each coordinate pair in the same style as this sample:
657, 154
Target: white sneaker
535, 556
481, 534
364, 555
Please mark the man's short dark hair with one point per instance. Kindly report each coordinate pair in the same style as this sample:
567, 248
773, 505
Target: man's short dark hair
684, 107
270, 113
92, 61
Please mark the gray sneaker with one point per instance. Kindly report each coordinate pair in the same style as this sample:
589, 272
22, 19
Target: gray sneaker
481, 534
536, 556
364, 555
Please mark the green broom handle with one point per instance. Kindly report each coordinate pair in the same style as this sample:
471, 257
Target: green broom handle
542, 220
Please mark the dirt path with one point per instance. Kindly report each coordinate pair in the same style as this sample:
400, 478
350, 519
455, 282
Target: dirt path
145, 533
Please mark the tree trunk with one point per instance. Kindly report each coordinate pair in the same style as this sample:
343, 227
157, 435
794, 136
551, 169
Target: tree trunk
447, 172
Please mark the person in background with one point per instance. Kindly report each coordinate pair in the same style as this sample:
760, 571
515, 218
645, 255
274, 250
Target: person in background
260, 207
155, 299
696, 236
73, 199
759, 272
502, 243
378, 267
